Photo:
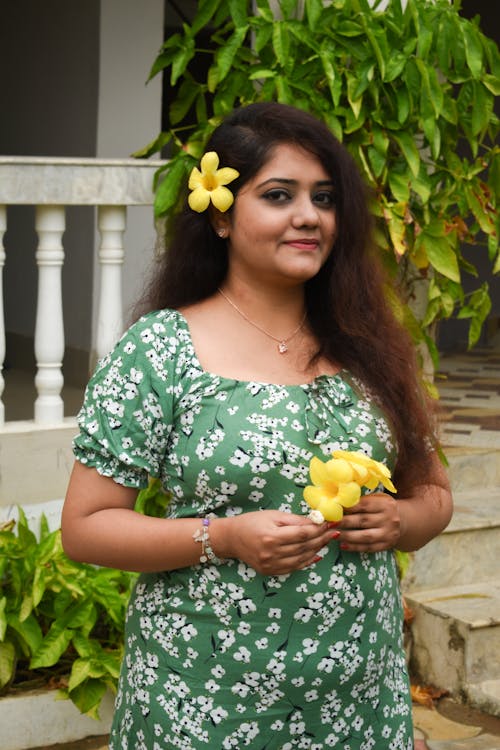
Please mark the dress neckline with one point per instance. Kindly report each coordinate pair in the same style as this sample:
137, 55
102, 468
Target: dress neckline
341, 375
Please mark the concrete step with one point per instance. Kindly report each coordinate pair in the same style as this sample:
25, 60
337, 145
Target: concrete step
455, 639
485, 696
473, 468
468, 548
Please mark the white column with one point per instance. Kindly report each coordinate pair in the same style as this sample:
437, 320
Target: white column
49, 330
3, 227
111, 221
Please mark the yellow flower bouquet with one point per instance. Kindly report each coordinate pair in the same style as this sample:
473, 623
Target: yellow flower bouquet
336, 484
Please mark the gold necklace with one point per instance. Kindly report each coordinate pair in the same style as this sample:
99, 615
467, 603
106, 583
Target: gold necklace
282, 343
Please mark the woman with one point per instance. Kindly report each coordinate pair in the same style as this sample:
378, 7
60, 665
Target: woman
269, 343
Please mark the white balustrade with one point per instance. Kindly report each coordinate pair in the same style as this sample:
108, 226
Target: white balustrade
49, 331
3, 227
51, 184
111, 222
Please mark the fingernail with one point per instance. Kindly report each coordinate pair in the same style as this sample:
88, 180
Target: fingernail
317, 558
335, 535
344, 546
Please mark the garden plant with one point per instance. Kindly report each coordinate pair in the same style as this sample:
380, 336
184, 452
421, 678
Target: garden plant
62, 622
410, 91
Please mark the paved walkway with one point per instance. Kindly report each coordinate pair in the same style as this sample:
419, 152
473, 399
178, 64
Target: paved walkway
469, 390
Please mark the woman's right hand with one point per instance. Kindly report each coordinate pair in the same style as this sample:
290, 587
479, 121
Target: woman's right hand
271, 542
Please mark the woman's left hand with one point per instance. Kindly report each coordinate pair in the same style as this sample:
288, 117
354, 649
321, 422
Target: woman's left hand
372, 525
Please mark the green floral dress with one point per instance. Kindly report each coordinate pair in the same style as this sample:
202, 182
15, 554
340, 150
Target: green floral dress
218, 656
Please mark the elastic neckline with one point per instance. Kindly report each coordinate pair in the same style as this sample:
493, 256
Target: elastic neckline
342, 374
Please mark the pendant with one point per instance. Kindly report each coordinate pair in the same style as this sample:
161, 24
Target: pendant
282, 347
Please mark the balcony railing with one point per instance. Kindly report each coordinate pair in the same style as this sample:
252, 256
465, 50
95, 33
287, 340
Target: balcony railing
52, 184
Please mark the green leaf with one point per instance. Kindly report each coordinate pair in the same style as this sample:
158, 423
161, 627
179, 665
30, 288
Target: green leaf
39, 583
52, 647
403, 100
3, 617
165, 58
281, 42
477, 309
169, 188
352, 85
88, 695
182, 59
288, 7
477, 202
409, 149
314, 11
492, 83
262, 37
377, 161
238, 11
80, 671
225, 55
153, 147
400, 186
482, 109
183, 102
260, 73
473, 49
440, 254
205, 13
378, 42
7, 663
29, 630
334, 81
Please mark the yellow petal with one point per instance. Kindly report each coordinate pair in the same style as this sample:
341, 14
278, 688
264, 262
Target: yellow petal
339, 470
209, 162
354, 457
330, 510
199, 199
349, 494
222, 198
360, 473
226, 175
318, 472
313, 495
195, 178
389, 485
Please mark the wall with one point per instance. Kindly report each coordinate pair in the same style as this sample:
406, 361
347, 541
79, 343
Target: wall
49, 62
72, 76
129, 115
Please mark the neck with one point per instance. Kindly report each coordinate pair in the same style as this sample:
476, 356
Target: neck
282, 303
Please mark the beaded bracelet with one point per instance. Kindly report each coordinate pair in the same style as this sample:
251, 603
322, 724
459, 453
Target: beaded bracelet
203, 535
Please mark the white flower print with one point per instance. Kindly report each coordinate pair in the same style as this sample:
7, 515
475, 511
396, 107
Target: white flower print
225, 447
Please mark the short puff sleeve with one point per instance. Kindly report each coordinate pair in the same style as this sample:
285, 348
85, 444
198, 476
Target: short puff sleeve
125, 420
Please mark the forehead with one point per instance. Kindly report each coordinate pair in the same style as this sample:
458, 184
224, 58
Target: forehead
290, 161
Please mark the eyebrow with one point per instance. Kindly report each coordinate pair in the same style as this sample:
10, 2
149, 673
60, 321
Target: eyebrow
285, 181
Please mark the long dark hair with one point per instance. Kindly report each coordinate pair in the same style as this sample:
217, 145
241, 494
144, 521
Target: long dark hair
346, 301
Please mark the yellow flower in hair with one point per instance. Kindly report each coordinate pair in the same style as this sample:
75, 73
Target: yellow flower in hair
208, 185
336, 484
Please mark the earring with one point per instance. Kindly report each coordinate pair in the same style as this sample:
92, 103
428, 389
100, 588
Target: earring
221, 232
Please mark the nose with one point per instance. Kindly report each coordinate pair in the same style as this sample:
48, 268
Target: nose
306, 214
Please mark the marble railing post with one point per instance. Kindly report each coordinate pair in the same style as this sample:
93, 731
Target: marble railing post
111, 222
49, 329
3, 227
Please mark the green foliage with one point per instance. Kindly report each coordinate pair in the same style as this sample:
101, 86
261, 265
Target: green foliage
62, 621
58, 618
409, 91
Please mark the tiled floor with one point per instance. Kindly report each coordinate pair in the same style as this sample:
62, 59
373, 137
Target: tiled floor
469, 388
